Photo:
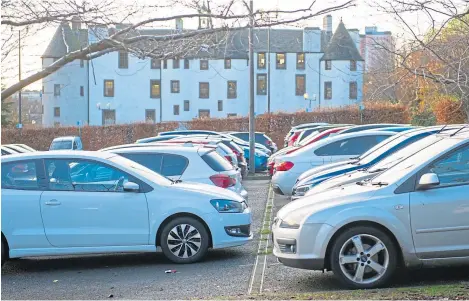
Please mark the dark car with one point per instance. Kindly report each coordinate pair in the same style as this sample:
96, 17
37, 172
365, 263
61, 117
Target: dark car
260, 138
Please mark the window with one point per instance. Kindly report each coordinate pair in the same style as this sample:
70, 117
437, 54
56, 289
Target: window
261, 60
155, 88
174, 86
353, 90
108, 117
176, 109
452, 169
203, 64
19, 175
150, 116
186, 105
281, 60
327, 90
151, 161
84, 175
220, 105
56, 112
155, 64
204, 113
56, 89
175, 63
82, 91
300, 84
328, 65
204, 90
82, 63
173, 165
300, 61
227, 63
186, 63
75, 145
350, 147
216, 162
262, 84
353, 65
108, 88
123, 59
165, 64
232, 115
231, 89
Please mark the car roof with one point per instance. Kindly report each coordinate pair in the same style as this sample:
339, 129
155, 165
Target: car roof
57, 154
65, 138
305, 125
163, 149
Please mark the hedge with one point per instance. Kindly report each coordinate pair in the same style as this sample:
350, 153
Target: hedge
274, 125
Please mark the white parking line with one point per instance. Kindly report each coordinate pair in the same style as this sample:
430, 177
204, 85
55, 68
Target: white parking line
258, 272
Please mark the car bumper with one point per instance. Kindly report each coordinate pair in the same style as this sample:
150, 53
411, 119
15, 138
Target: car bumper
283, 181
310, 242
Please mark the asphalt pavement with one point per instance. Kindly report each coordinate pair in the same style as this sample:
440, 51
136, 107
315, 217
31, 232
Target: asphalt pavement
138, 276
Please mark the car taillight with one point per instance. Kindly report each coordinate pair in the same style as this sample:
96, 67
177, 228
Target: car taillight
223, 181
284, 166
269, 142
293, 138
229, 159
270, 167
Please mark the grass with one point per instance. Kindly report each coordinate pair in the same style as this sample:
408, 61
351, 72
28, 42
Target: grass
454, 291
265, 231
265, 252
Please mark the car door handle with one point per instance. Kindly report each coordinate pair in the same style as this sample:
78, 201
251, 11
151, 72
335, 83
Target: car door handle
52, 203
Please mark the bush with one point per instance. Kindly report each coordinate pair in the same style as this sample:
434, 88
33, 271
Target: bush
449, 110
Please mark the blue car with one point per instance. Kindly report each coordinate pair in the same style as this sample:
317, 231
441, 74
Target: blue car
370, 158
260, 158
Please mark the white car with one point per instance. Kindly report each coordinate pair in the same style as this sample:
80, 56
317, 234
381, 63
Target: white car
289, 167
413, 214
66, 143
69, 203
185, 163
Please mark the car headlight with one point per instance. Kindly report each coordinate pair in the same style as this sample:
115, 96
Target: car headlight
293, 219
301, 190
228, 206
289, 224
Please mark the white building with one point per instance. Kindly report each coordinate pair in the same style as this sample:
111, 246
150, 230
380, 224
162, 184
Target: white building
121, 88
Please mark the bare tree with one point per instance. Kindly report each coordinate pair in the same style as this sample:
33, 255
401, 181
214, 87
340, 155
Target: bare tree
436, 58
226, 19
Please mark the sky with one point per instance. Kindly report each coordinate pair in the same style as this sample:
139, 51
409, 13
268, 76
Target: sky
356, 17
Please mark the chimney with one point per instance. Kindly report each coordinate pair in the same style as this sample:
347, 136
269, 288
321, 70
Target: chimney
327, 23
76, 23
179, 24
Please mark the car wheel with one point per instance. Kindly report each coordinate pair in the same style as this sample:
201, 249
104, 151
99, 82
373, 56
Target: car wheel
3, 252
184, 240
363, 257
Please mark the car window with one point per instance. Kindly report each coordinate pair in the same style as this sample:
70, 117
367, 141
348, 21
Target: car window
84, 175
173, 165
216, 162
350, 147
57, 145
75, 146
261, 138
19, 175
151, 161
244, 136
452, 169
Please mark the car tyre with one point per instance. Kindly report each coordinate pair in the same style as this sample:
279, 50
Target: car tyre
184, 240
364, 257
4, 252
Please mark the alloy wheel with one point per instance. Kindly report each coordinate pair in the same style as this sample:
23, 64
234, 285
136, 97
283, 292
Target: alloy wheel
364, 259
184, 241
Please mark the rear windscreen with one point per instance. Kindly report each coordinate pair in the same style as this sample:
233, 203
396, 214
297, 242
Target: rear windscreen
56, 145
216, 162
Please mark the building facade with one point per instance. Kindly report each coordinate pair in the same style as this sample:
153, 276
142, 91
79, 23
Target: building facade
306, 68
376, 48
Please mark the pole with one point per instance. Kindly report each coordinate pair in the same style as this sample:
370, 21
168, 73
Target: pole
268, 68
161, 93
252, 118
19, 78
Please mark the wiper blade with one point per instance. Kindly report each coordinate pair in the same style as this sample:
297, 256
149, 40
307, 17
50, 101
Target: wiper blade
379, 183
377, 170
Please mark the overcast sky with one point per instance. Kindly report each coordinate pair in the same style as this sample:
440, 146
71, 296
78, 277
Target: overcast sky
356, 17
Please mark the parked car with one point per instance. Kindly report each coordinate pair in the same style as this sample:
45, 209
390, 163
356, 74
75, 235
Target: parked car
287, 168
261, 138
379, 152
8, 151
300, 127
403, 217
98, 202
66, 143
199, 164
157, 139
15, 148
364, 127
397, 129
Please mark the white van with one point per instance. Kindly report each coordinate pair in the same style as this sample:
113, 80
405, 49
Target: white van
66, 143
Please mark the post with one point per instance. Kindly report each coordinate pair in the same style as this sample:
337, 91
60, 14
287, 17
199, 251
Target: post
252, 118
268, 68
161, 92
19, 79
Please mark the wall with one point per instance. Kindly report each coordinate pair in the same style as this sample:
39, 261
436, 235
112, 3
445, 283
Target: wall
274, 125
340, 76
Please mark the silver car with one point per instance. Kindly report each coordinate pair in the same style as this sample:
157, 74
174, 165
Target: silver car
414, 214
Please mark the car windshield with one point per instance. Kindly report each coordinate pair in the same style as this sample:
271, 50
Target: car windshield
309, 138
141, 170
404, 161
57, 145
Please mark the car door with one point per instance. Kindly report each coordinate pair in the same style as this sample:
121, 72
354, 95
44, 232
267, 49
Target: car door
85, 206
22, 186
440, 215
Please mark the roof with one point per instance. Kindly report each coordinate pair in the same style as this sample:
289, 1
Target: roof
341, 47
58, 154
65, 138
65, 40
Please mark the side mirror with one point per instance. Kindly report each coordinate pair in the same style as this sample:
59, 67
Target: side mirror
131, 187
428, 180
